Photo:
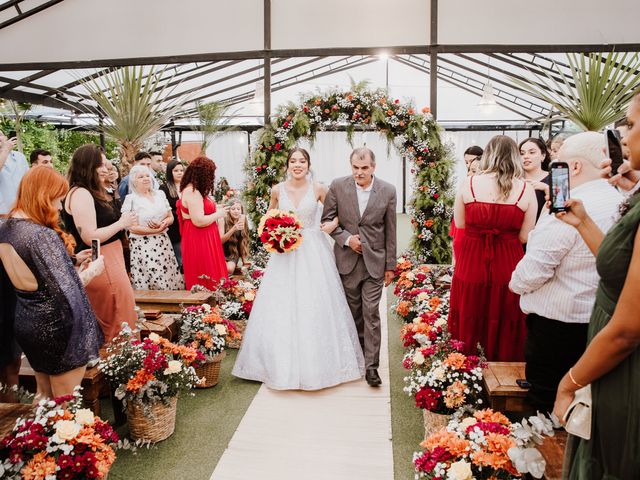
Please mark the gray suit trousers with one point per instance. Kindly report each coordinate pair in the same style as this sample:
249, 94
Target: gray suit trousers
363, 296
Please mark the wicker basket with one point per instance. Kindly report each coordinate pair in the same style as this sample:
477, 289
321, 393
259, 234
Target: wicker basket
241, 325
210, 371
156, 426
434, 422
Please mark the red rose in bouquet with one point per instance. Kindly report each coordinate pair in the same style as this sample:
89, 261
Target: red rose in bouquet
280, 231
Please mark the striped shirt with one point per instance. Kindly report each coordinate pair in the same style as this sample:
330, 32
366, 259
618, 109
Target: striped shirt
557, 277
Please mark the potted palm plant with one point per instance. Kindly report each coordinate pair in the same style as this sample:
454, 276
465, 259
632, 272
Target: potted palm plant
595, 94
135, 103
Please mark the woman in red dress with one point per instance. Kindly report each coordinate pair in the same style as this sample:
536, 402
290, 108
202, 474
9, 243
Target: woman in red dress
497, 209
202, 254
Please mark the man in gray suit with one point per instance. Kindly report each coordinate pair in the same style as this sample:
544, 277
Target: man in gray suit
365, 247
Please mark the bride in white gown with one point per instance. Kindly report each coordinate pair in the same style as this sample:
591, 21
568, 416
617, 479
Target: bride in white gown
301, 335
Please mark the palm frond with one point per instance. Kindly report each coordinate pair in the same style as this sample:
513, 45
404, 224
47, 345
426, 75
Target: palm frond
213, 121
136, 103
595, 94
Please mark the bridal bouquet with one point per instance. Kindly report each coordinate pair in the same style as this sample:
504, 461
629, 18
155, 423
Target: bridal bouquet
280, 231
62, 440
441, 378
485, 445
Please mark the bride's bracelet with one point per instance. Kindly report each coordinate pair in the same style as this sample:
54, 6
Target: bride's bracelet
574, 380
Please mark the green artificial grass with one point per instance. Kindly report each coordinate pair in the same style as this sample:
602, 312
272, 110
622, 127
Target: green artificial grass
205, 424
406, 419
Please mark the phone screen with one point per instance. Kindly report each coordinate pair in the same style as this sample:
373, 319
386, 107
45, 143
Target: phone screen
95, 249
614, 150
559, 186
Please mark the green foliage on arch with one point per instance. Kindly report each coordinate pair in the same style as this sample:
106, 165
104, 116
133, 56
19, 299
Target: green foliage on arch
416, 136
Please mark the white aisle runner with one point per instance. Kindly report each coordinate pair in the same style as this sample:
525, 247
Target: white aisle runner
337, 433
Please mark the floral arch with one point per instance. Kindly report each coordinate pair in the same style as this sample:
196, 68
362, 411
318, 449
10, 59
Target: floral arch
416, 136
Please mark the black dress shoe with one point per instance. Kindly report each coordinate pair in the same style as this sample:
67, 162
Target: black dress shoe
372, 377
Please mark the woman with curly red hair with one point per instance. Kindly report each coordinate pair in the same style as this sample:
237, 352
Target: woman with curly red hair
52, 319
202, 255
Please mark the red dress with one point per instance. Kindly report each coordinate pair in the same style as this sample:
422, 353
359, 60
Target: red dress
483, 309
201, 250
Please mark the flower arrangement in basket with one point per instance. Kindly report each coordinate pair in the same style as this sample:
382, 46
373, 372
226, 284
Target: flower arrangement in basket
443, 379
62, 440
147, 376
203, 329
485, 445
280, 231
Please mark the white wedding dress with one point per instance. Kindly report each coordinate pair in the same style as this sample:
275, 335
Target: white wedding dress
300, 334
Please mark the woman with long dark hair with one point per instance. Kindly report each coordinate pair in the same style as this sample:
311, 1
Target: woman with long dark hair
90, 213
234, 234
202, 255
53, 320
535, 163
171, 189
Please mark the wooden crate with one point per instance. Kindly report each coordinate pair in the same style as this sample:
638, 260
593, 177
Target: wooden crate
166, 326
500, 384
93, 383
169, 300
552, 449
9, 413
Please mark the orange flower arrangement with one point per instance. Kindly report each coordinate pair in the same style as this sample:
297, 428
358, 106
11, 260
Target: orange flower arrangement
39, 467
60, 440
403, 308
141, 378
488, 415
455, 360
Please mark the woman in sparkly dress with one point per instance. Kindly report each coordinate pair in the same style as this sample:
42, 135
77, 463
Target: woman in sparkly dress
53, 320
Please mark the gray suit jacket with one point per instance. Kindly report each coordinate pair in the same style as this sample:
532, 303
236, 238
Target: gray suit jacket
376, 227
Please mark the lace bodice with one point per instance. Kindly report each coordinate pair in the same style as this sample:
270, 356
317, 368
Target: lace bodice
308, 212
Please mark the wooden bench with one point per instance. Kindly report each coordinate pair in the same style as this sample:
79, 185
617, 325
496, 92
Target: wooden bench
93, 384
9, 413
500, 384
170, 301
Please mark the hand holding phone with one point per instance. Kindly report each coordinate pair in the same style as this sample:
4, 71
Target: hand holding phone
95, 249
559, 191
613, 149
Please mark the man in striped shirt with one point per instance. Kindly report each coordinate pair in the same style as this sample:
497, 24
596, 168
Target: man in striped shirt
557, 277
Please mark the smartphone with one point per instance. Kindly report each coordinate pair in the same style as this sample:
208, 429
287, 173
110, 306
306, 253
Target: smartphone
614, 149
95, 249
12, 134
522, 383
559, 191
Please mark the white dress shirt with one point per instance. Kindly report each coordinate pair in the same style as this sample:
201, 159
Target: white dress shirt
11, 174
557, 277
363, 194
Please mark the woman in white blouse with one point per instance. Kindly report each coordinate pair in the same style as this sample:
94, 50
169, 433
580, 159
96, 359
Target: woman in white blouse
153, 263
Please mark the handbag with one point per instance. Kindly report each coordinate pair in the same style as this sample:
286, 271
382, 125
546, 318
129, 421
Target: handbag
578, 416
